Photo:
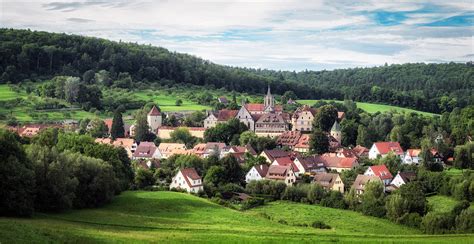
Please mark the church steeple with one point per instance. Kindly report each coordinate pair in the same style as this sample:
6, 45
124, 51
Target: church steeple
269, 101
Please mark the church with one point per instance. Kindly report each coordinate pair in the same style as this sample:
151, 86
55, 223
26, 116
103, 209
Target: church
267, 119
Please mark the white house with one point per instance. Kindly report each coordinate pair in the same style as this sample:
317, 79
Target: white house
257, 172
384, 148
210, 121
187, 179
412, 156
146, 150
245, 117
402, 178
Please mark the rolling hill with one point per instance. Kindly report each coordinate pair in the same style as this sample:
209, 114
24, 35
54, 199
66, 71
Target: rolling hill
177, 217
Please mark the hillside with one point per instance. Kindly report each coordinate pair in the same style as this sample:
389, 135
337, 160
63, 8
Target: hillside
32, 55
178, 217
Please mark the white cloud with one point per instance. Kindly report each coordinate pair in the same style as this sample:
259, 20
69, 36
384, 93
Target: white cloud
283, 35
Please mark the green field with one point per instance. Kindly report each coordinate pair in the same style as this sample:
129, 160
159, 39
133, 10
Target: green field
178, 217
167, 102
6, 93
372, 107
443, 204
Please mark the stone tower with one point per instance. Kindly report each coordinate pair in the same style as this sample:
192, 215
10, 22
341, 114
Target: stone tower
154, 119
336, 131
269, 101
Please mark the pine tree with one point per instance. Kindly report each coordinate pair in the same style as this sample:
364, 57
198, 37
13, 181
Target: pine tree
117, 130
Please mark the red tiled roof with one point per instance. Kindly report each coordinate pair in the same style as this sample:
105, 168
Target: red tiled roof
276, 153
287, 161
191, 174
154, 111
145, 150
303, 142
413, 152
262, 169
260, 107
289, 138
361, 151
338, 162
226, 114
381, 171
386, 147
277, 172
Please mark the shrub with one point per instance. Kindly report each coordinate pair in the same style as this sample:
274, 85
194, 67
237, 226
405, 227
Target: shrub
252, 203
465, 221
316, 193
282, 221
459, 207
436, 223
296, 193
410, 219
320, 225
334, 199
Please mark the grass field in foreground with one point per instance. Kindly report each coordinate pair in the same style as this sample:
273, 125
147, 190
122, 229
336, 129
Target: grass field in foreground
373, 107
177, 217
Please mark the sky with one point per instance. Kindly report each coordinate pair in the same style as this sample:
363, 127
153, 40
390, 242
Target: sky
281, 35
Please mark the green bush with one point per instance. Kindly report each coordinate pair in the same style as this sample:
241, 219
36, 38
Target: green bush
252, 203
320, 225
465, 221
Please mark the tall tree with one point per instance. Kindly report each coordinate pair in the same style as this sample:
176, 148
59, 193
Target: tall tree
325, 118
319, 142
117, 130
141, 126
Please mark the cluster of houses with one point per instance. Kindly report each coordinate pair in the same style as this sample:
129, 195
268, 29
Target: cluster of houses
267, 118
287, 164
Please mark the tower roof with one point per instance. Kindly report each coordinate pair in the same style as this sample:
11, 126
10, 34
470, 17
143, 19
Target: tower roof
154, 111
336, 126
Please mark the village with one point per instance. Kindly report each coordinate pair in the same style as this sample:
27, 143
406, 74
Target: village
290, 161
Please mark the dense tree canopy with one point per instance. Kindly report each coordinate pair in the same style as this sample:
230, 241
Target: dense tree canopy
33, 55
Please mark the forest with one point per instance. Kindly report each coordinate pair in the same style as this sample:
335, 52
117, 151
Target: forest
31, 56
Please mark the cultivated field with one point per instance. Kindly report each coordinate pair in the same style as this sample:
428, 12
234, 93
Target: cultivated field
177, 217
373, 107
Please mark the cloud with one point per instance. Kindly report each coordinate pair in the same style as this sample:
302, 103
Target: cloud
79, 20
291, 34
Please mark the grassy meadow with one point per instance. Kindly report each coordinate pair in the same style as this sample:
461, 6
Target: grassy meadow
177, 217
373, 107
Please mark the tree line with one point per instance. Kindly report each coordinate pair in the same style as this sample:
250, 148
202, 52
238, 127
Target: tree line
31, 55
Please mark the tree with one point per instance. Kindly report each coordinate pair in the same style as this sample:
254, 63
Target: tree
362, 138
215, 175
319, 142
324, 118
349, 132
88, 76
182, 135
98, 128
142, 130
373, 199
233, 173
247, 137
47, 137
144, 178
179, 102
17, 182
117, 130
464, 156
392, 161
316, 193
55, 180
225, 132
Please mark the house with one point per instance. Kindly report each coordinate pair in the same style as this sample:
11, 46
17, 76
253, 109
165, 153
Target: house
257, 172
361, 151
127, 143
146, 150
187, 179
271, 155
213, 148
168, 149
346, 153
288, 161
309, 164
221, 116
281, 173
303, 144
380, 171
384, 148
339, 164
154, 119
302, 118
270, 124
329, 181
402, 178
362, 180
148, 164
289, 139
412, 156
246, 117
223, 100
